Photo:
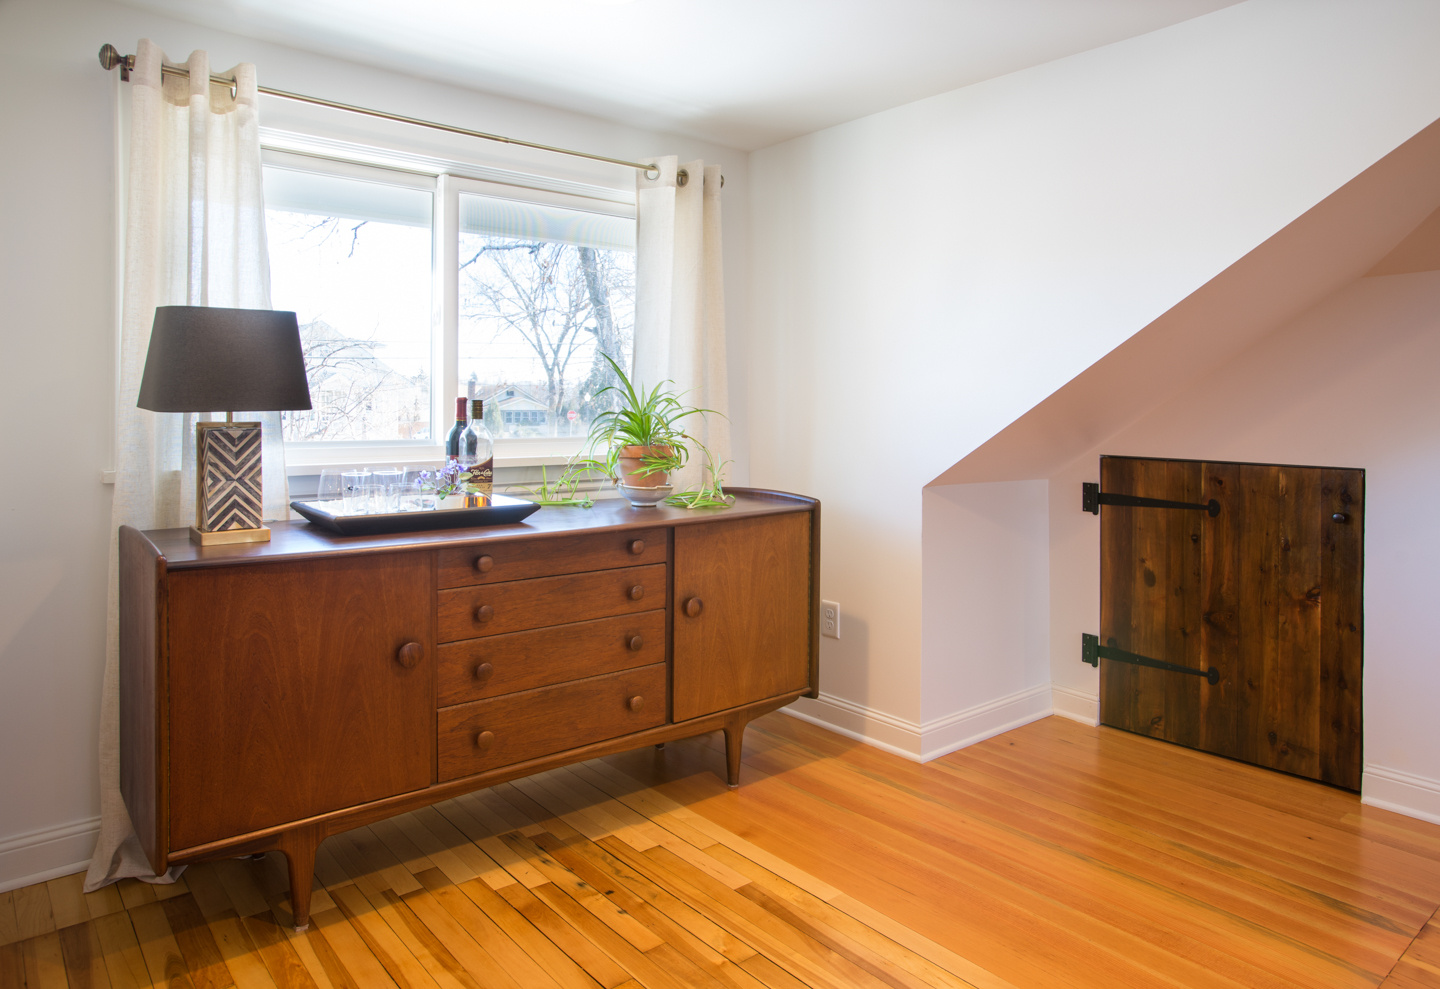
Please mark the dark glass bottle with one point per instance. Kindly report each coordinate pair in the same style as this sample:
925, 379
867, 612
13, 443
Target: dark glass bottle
452, 440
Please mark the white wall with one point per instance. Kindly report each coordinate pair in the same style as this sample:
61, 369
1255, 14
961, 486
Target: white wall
925, 275
1351, 383
57, 282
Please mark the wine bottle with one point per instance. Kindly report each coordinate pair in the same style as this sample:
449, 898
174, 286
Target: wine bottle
477, 452
452, 441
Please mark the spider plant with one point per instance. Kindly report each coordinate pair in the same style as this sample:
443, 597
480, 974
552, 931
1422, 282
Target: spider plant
711, 491
564, 490
644, 430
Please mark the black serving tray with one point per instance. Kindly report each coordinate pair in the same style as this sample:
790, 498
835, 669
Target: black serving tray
502, 510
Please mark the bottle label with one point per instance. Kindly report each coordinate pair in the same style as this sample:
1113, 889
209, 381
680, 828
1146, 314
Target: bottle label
481, 477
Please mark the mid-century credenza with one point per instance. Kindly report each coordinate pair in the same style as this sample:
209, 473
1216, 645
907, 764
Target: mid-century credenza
276, 693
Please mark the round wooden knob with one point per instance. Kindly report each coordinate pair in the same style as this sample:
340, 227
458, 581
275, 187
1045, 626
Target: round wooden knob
484, 613
635, 703
483, 671
693, 607
636, 643
484, 563
484, 740
637, 592
637, 546
410, 655
1340, 517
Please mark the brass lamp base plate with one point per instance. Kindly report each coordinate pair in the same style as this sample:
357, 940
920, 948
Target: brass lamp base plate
222, 537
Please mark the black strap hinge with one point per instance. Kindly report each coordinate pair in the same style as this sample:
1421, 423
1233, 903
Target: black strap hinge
1091, 498
1091, 651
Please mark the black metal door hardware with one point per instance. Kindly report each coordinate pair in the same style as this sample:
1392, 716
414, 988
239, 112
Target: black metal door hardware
1091, 651
1092, 498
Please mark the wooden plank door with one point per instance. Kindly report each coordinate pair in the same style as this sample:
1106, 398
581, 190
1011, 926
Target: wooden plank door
1267, 592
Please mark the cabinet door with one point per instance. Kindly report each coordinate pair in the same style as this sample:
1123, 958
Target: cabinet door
742, 612
290, 695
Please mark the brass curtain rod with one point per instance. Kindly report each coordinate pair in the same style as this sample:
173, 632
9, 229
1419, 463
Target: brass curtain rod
110, 58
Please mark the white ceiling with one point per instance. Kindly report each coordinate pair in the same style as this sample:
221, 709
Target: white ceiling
744, 73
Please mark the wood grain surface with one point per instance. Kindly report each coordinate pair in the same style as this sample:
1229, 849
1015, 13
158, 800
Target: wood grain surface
534, 723
1055, 855
144, 719
518, 559
539, 657
747, 583
1268, 593
522, 604
294, 701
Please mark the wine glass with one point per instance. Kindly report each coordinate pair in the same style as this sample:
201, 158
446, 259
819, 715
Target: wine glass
385, 482
355, 485
331, 488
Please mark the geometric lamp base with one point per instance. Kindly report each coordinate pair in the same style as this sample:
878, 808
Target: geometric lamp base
222, 537
229, 505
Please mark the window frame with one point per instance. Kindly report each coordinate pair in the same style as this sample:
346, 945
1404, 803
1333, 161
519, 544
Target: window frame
448, 179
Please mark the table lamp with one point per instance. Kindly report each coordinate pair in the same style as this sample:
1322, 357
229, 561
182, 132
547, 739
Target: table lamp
205, 359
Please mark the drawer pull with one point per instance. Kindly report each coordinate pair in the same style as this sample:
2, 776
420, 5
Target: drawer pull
483, 671
484, 613
693, 607
635, 703
637, 546
637, 592
410, 655
484, 740
484, 563
636, 643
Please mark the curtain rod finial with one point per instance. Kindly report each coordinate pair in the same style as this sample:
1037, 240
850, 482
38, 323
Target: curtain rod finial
110, 57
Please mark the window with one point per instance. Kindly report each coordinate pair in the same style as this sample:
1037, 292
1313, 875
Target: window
413, 289
543, 290
352, 258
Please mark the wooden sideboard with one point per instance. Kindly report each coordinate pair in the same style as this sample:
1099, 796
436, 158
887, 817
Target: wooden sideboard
276, 693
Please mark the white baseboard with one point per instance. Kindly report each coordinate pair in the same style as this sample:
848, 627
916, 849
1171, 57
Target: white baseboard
47, 854
1075, 704
1404, 793
923, 742
975, 724
884, 731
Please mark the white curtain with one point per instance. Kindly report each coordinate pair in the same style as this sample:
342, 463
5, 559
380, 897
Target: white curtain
680, 297
194, 235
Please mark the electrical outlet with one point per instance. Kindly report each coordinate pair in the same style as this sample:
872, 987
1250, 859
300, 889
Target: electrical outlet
830, 619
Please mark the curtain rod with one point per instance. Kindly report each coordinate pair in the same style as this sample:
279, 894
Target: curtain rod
110, 58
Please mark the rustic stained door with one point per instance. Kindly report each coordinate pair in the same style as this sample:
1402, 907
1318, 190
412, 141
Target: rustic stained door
1266, 591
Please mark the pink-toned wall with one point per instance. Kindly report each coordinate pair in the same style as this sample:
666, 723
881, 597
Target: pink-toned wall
1352, 382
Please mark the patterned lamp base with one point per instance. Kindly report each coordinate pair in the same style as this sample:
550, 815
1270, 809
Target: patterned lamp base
229, 503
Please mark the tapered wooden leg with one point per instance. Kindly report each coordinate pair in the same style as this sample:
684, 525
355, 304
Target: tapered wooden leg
299, 848
734, 744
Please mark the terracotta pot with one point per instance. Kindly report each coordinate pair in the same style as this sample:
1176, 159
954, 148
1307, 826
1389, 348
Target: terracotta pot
630, 463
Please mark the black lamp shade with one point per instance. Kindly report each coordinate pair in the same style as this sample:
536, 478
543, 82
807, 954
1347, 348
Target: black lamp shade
205, 359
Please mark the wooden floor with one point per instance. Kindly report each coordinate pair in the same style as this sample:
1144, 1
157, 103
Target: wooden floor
1053, 855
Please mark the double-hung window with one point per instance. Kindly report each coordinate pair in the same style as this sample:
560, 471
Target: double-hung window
413, 288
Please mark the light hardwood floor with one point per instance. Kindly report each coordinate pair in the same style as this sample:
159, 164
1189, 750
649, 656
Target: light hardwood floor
1053, 855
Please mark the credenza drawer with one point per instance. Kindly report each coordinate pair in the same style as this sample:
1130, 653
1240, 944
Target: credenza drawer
519, 559
492, 609
504, 730
501, 664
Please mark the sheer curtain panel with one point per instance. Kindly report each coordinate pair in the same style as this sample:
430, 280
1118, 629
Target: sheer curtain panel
680, 296
194, 235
